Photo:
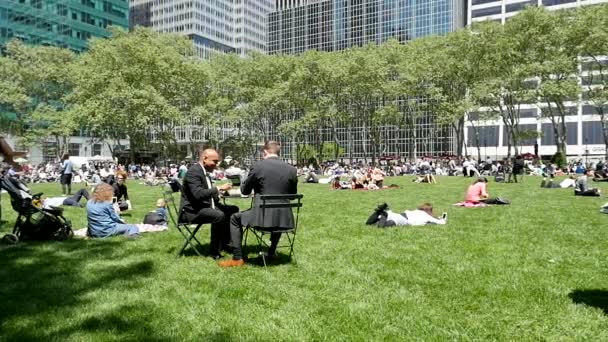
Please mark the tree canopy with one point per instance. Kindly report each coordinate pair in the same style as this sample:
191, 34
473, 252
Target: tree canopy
146, 86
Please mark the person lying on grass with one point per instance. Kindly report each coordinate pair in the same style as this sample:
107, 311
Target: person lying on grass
426, 178
74, 200
566, 183
384, 217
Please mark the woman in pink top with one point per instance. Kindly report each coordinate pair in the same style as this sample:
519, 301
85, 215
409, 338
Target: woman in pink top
477, 191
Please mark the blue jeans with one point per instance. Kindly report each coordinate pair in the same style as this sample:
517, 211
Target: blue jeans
74, 201
126, 229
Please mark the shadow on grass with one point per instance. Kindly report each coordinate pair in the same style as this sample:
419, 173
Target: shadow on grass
279, 259
45, 288
189, 251
594, 298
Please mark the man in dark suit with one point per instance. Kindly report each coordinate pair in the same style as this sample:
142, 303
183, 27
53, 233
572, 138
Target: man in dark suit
200, 201
270, 176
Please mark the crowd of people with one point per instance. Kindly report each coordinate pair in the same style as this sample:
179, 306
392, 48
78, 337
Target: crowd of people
200, 197
468, 167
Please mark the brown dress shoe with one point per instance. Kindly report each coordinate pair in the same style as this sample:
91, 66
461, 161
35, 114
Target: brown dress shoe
231, 263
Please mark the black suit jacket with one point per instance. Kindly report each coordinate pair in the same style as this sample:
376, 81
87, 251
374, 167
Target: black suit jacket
271, 176
196, 194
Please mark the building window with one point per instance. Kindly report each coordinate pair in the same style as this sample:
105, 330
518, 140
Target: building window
593, 132
479, 2
519, 6
74, 150
482, 12
488, 136
527, 135
556, 2
96, 149
592, 110
548, 136
49, 151
528, 113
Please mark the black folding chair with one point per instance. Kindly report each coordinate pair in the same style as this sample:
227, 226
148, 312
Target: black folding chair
186, 229
272, 202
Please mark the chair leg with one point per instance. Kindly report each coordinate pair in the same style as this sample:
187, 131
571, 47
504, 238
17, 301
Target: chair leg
262, 245
244, 242
189, 241
292, 241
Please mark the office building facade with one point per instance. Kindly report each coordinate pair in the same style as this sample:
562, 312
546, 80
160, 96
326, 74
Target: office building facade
502, 10
64, 23
217, 26
333, 25
583, 127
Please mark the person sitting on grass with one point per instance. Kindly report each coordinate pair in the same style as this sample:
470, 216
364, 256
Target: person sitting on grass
102, 217
312, 178
600, 172
159, 216
356, 183
95, 180
384, 217
377, 177
120, 191
73, 201
581, 187
566, 183
477, 193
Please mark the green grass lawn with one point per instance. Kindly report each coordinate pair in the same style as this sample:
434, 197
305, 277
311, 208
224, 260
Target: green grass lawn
534, 270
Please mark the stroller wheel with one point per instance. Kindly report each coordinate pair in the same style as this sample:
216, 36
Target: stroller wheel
10, 239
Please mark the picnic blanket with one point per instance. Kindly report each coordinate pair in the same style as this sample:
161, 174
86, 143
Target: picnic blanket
143, 228
468, 204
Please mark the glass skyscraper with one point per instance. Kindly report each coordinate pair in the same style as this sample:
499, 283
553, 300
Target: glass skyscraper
332, 25
63, 23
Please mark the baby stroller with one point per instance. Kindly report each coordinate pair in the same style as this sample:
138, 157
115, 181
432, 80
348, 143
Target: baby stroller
33, 222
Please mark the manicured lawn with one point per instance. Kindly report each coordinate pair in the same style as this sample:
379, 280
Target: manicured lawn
500, 273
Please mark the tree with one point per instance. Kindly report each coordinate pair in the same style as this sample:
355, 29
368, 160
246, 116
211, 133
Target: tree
591, 33
135, 85
367, 96
417, 92
13, 98
507, 83
453, 72
331, 150
545, 40
35, 83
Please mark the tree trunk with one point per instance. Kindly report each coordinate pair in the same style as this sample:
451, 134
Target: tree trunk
477, 140
336, 143
350, 145
458, 128
364, 142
